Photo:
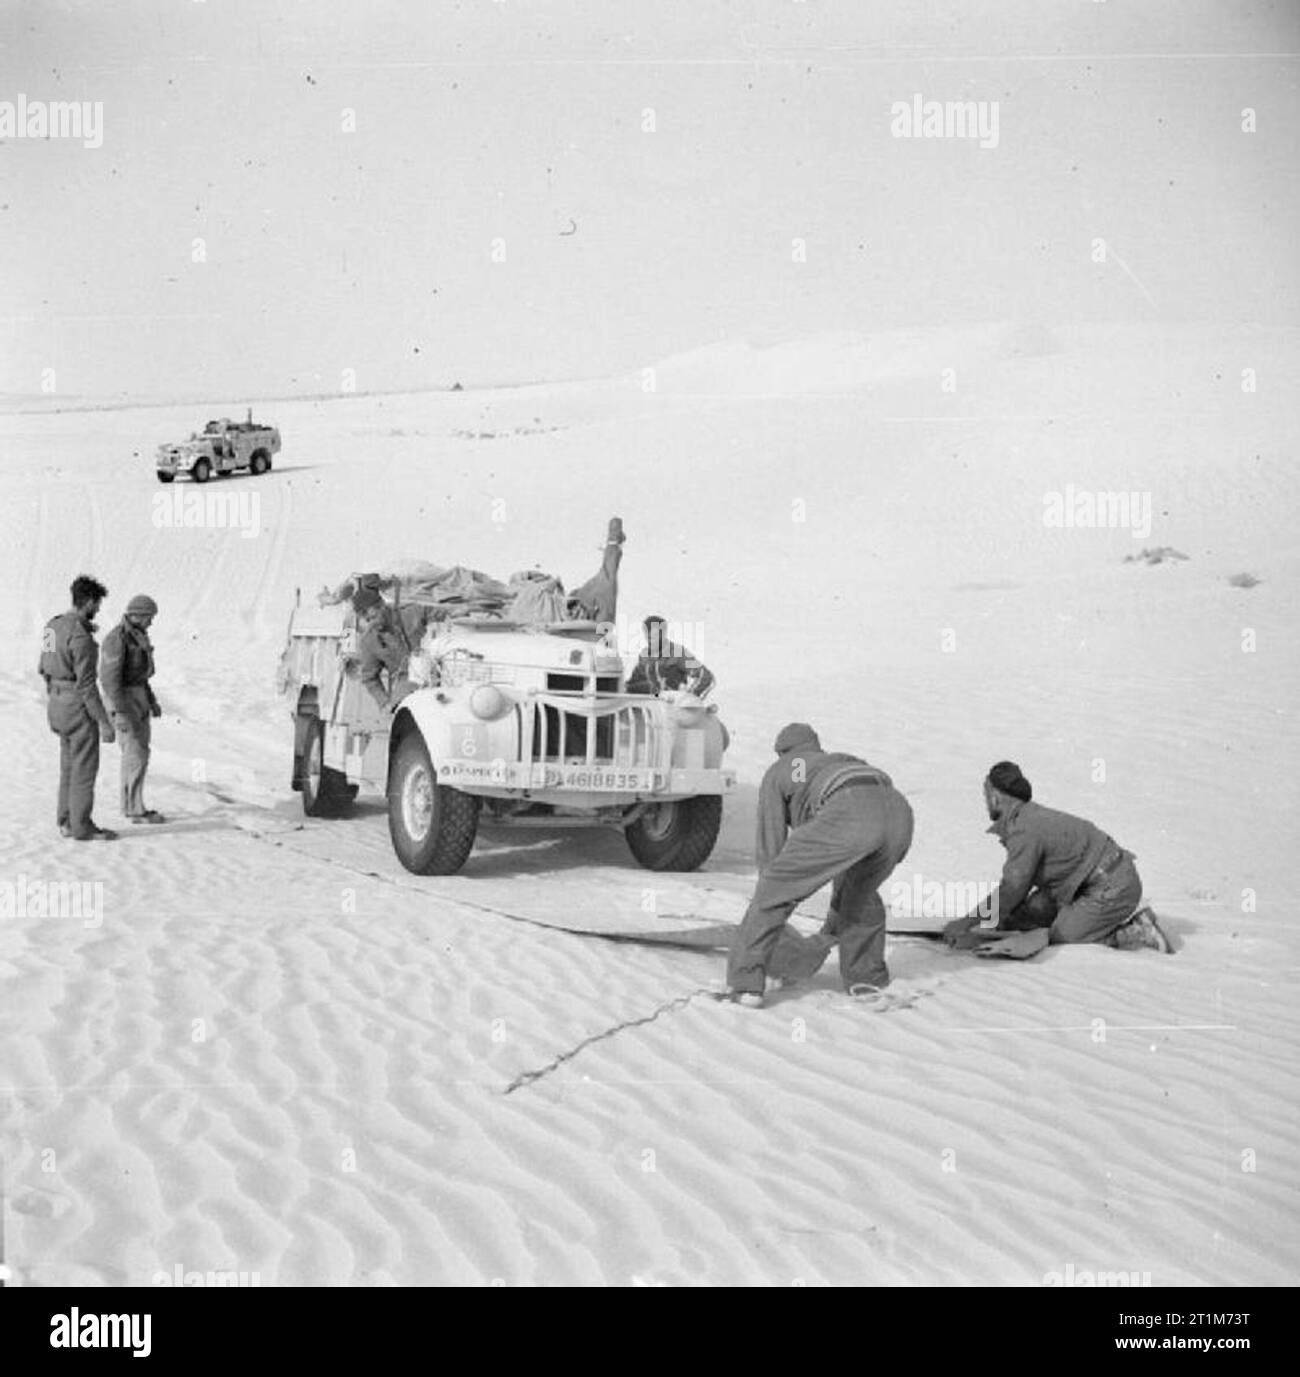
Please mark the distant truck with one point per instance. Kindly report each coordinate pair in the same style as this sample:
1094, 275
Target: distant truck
526, 727
224, 447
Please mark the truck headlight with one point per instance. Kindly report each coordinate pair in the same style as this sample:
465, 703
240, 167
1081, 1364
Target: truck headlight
488, 702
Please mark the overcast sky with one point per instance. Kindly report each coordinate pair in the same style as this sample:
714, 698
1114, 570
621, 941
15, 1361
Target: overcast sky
329, 247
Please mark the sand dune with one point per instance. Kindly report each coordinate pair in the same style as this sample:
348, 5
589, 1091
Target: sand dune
280, 1053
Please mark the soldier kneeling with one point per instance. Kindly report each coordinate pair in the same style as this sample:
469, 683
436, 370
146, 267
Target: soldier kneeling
1061, 874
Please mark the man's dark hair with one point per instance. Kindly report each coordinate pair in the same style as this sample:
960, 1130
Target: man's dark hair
1007, 778
86, 589
654, 621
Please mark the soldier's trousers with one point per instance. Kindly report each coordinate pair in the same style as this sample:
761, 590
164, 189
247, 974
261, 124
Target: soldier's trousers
133, 735
78, 736
855, 839
599, 595
1101, 906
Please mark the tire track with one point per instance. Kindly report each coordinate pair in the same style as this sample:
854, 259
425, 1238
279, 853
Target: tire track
271, 569
213, 575
142, 555
29, 615
96, 529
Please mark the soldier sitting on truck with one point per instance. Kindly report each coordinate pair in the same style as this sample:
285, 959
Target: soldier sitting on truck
384, 643
665, 665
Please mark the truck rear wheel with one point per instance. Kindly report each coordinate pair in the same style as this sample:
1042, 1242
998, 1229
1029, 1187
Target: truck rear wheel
678, 835
326, 793
201, 471
166, 477
432, 826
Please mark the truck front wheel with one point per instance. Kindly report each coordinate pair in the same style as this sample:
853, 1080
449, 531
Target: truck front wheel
259, 463
201, 471
678, 835
432, 826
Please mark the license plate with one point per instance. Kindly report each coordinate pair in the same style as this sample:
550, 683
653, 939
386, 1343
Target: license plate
588, 778
600, 778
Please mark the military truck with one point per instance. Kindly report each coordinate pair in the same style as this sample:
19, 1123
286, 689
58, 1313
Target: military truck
224, 447
508, 724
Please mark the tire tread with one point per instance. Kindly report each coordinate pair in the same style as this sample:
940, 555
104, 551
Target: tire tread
693, 841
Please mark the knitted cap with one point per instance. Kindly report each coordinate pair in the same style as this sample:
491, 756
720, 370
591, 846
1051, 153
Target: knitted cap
794, 735
142, 605
1007, 778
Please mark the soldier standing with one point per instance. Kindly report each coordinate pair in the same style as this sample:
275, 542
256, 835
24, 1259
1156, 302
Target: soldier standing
125, 672
75, 711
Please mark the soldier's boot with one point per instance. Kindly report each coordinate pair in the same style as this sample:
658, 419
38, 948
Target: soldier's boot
1142, 932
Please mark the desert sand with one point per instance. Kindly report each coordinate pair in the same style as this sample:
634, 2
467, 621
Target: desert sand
281, 1054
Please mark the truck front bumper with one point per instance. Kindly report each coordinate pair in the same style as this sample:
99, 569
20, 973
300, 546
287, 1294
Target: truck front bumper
573, 785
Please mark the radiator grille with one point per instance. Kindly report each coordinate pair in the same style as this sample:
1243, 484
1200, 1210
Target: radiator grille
629, 737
